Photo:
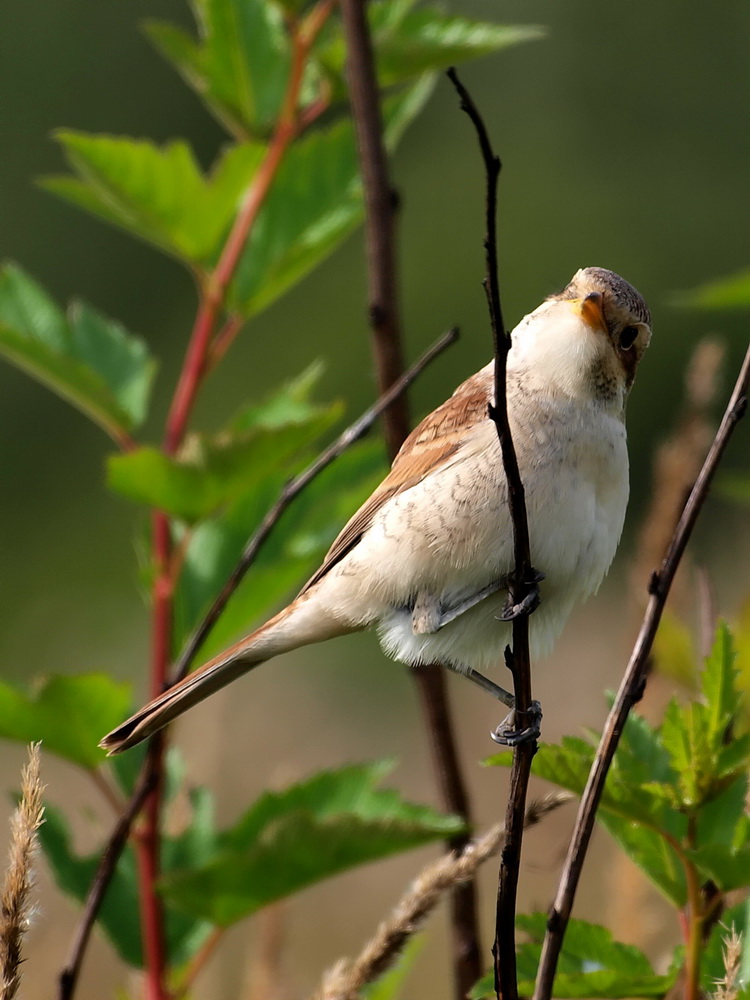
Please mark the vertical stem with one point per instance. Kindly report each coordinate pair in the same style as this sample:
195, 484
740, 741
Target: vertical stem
517, 660
380, 210
194, 368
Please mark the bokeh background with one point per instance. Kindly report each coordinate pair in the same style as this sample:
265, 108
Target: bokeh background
625, 140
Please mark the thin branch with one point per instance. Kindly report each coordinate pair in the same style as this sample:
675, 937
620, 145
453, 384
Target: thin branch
195, 366
346, 979
148, 776
631, 688
345, 440
504, 948
108, 861
380, 211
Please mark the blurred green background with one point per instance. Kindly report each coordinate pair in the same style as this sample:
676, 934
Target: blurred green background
625, 141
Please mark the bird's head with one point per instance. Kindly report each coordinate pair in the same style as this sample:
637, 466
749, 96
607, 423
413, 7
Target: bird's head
589, 338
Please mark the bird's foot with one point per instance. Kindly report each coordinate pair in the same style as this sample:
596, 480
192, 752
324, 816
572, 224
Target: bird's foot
508, 735
530, 602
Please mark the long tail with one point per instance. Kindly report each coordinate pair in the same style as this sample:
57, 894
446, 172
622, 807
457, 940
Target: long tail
301, 623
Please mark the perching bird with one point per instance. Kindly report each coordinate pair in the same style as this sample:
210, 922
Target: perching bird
426, 559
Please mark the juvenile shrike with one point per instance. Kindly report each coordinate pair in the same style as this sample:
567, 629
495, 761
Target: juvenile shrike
426, 559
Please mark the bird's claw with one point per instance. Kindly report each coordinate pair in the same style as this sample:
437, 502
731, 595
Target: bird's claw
508, 736
530, 602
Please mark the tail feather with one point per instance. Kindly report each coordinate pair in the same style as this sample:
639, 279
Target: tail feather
301, 623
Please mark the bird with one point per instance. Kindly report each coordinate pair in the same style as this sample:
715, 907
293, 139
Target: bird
427, 558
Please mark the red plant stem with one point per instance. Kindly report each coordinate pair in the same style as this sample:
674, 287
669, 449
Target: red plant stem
215, 288
195, 366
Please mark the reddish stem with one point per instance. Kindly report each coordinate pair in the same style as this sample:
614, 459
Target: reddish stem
195, 366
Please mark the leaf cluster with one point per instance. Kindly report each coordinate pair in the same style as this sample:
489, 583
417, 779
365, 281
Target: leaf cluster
675, 801
281, 194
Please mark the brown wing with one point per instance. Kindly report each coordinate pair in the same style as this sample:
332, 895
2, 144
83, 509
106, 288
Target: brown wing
429, 446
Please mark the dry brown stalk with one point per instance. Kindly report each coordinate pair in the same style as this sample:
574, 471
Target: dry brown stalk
678, 461
728, 987
15, 915
345, 980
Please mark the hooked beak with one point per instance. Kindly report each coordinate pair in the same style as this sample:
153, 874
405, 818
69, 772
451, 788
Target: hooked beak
592, 311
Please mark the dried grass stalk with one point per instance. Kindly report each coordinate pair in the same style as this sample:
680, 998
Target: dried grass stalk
19, 877
728, 987
345, 980
678, 461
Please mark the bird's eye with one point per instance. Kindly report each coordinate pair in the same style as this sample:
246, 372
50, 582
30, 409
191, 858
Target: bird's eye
628, 337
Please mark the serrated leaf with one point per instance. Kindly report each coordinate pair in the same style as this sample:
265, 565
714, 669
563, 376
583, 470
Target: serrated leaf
409, 42
734, 757
292, 839
731, 292
240, 64
119, 912
290, 554
68, 714
729, 869
591, 964
628, 790
428, 40
653, 854
717, 821
686, 739
212, 472
157, 193
92, 362
314, 203
718, 686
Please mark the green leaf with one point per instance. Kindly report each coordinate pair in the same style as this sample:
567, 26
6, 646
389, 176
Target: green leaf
653, 854
727, 868
719, 687
629, 790
68, 714
686, 739
239, 66
292, 839
158, 194
409, 42
290, 554
731, 292
428, 40
591, 964
213, 472
119, 913
87, 359
314, 203
723, 819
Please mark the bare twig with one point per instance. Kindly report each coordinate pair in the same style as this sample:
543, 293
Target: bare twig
69, 975
518, 660
345, 980
15, 902
149, 774
345, 440
380, 210
631, 688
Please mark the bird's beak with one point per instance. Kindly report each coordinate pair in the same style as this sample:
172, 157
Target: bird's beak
591, 309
